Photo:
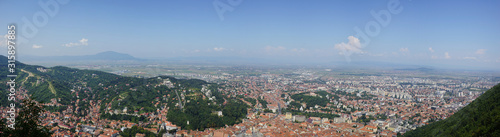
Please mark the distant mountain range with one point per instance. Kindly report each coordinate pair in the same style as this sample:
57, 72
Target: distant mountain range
103, 56
424, 69
112, 57
480, 118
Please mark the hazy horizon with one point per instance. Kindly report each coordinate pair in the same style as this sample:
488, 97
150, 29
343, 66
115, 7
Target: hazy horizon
444, 34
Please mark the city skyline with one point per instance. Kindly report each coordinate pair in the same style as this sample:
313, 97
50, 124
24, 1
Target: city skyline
446, 34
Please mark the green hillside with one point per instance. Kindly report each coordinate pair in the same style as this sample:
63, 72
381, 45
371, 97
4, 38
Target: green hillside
64, 84
114, 93
480, 118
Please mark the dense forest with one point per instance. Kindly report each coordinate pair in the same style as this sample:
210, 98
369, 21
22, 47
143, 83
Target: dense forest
202, 113
131, 132
311, 101
251, 100
480, 118
263, 102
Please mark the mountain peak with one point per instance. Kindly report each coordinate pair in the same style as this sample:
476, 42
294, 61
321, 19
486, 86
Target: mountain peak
112, 55
110, 52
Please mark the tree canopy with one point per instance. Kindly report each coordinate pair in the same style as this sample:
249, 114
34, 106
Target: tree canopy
28, 122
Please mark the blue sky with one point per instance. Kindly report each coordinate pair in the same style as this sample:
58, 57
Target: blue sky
424, 32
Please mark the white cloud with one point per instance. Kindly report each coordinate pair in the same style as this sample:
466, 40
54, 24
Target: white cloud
298, 50
82, 42
3, 41
271, 48
404, 50
480, 51
353, 46
473, 58
219, 49
37, 46
447, 55
431, 50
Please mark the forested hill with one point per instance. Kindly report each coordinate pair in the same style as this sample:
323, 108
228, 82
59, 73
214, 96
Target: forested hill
64, 84
480, 118
126, 98
58, 82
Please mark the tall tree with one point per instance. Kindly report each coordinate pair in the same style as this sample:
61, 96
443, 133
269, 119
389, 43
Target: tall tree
28, 120
2, 127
